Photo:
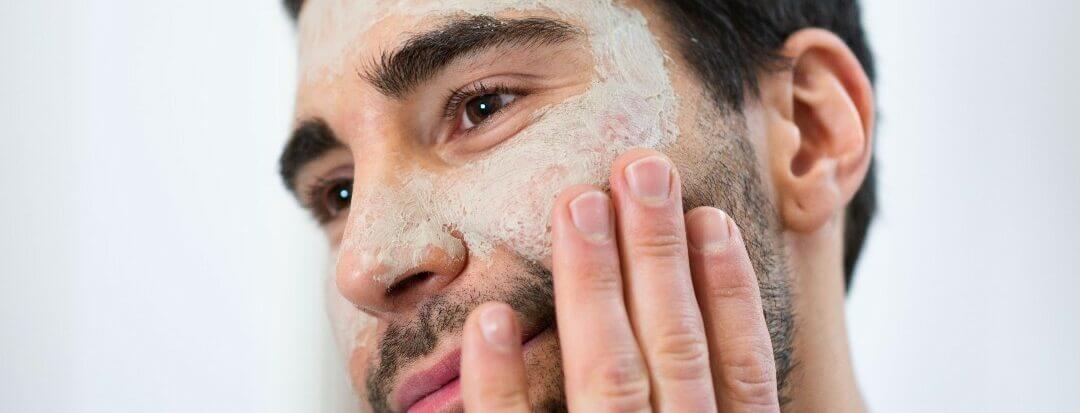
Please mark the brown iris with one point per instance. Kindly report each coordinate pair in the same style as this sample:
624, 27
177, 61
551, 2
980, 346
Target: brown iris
338, 196
482, 107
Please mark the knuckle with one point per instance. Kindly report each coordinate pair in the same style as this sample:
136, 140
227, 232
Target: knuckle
621, 381
683, 355
659, 245
730, 281
733, 290
749, 376
600, 278
505, 399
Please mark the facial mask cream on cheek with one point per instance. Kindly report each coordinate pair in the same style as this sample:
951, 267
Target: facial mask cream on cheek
504, 197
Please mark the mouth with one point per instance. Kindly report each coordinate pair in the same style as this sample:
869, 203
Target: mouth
438, 388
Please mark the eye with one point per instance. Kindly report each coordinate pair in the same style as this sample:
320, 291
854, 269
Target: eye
480, 108
332, 199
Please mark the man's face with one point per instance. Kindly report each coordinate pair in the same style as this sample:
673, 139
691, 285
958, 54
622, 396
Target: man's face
439, 132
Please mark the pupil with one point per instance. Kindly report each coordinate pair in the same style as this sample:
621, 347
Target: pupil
483, 107
339, 197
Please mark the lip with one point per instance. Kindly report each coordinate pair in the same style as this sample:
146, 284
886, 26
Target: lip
438, 387
431, 388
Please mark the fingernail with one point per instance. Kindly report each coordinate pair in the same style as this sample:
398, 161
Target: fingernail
591, 214
497, 325
708, 230
649, 179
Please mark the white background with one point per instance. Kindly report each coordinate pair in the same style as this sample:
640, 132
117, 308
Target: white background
151, 261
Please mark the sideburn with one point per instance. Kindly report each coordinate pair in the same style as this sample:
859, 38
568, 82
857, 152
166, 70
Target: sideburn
726, 175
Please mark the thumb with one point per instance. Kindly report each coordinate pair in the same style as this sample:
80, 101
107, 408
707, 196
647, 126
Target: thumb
492, 369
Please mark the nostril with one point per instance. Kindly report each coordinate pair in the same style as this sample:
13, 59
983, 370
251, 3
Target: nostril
407, 283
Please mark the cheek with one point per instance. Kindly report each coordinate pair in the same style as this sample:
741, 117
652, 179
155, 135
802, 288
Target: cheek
358, 336
511, 190
635, 121
358, 364
354, 331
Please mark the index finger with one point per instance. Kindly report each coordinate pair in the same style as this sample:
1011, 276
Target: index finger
492, 370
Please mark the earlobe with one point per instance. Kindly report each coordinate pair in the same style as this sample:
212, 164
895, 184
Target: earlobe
820, 129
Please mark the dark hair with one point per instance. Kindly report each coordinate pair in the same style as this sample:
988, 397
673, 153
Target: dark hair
727, 42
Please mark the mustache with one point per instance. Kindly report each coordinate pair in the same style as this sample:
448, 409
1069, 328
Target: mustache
530, 294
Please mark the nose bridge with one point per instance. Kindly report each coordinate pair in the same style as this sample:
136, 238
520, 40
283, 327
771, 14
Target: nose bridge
392, 236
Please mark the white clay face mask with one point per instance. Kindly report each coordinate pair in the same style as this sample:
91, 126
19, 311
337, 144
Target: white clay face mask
503, 198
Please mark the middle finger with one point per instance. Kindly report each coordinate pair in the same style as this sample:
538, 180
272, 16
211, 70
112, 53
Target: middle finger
659, 291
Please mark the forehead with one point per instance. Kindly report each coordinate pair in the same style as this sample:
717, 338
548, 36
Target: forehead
335, 34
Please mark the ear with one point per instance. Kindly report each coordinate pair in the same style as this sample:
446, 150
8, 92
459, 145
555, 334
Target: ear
820, 121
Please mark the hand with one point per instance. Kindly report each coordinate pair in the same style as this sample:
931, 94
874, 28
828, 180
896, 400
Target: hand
656, 310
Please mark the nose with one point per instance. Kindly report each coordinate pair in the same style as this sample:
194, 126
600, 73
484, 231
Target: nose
383, 281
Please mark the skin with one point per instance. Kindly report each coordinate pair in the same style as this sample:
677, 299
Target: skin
650, 314
645, 349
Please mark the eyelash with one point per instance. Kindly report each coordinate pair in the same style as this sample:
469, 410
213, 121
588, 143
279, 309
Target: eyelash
461, 96
315, 197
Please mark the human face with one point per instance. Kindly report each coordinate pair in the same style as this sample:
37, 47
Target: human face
433, 138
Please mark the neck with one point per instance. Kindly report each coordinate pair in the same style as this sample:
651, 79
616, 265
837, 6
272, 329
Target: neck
823, 379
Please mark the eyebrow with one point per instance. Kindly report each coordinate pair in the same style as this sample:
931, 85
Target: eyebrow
423, 56
310, 141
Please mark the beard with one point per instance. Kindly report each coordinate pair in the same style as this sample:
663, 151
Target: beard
723, 176
530, 294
